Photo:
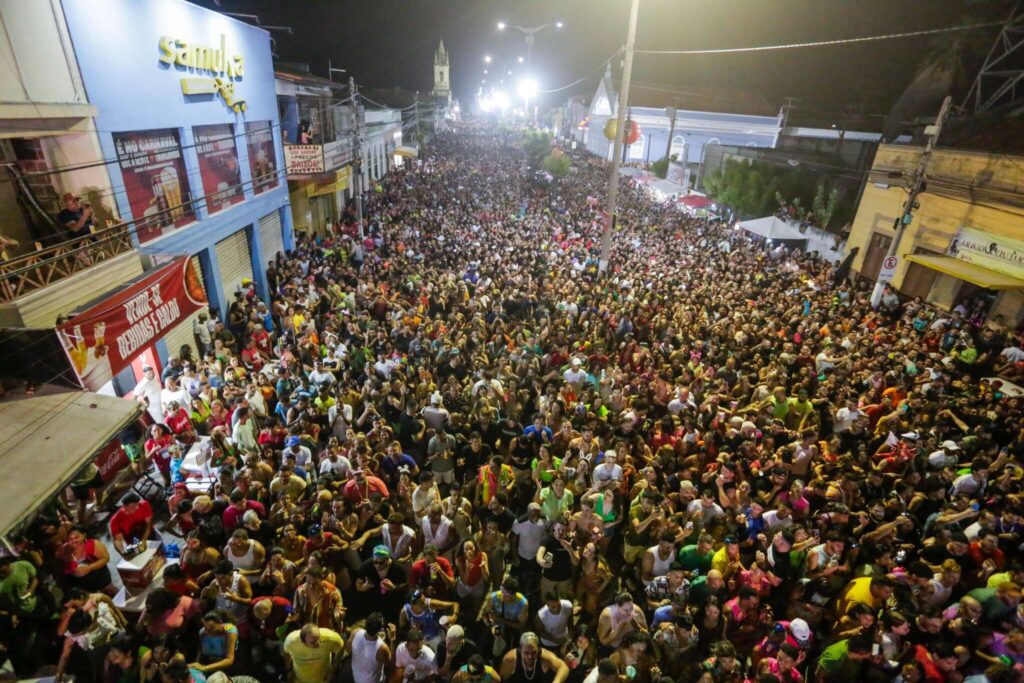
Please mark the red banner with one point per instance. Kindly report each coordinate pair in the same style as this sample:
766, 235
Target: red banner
103, 340
155, 181
218, 166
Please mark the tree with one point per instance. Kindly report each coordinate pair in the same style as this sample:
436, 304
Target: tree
537, 145
660, 167
556, 165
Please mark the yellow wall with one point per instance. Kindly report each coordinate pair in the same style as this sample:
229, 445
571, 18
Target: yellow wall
938, 218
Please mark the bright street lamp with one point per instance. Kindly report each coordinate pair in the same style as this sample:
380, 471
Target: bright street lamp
527, 88
487, 59
529, 33
519, 59
502, 25
559, 24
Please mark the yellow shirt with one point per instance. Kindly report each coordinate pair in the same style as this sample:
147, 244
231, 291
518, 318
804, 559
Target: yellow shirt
313, 664
858, 590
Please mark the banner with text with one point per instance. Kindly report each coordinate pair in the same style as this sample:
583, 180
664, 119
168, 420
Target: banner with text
102, 340
996, 252
303, 159
155, 181
218, 166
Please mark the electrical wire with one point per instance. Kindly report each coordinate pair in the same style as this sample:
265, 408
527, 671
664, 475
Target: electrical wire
822, 43
590, 74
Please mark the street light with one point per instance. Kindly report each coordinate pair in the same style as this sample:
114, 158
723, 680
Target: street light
530, 33
559, 24
487, 59
527, 89
501, 25
519, 59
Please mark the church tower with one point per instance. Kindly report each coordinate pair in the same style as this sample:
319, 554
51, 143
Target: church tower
442, 86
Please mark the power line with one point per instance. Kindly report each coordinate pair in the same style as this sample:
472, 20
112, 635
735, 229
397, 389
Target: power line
585, 77
823, 43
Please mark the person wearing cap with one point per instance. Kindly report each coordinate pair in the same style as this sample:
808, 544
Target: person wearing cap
312, 654
947, 455
575, 374
381, 582
727, 558
429, 615
75, 218
147, 391
362, 485
475, 670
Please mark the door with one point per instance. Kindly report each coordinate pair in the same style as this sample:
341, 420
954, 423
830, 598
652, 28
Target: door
918, 280
877, 248
235, 263
271, 237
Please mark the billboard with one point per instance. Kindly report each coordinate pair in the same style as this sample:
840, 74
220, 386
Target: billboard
102, 340
218, 166
1000, 253
155, 181
303, 159
262, 157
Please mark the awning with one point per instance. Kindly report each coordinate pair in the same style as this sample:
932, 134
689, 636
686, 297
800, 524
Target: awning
773, 228
695, 201
46, 440
969, 272
407, 151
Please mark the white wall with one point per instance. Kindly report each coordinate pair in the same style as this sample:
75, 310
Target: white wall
37, 65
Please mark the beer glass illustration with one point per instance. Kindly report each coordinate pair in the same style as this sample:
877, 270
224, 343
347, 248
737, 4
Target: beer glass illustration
172, 191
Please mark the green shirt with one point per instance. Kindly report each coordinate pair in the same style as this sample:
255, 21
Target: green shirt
836, 663
14, 586
691, 559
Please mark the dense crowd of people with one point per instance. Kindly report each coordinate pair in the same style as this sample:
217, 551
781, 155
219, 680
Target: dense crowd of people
454, 451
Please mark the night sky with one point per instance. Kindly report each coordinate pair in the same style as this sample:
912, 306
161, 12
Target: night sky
387, 43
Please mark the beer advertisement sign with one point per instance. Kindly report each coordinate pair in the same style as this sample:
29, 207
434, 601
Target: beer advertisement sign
155, 181
218, 166
104, 339
262, 159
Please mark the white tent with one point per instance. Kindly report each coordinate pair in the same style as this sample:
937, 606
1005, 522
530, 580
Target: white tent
772, 228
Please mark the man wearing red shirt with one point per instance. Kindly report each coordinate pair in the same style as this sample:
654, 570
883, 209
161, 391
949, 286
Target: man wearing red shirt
133, 520
432, 573
986, 549
361, 485
232, 516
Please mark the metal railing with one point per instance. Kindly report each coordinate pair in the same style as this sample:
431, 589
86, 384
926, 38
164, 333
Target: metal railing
41, 268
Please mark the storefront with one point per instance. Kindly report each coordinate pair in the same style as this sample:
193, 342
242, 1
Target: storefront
188, 122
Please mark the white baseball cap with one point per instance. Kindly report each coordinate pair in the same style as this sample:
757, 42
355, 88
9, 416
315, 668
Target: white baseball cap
800, 630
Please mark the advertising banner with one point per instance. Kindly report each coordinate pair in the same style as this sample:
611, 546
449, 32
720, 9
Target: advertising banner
303, 159
218, 166
996, 252
102, 340
262, 158
155, 181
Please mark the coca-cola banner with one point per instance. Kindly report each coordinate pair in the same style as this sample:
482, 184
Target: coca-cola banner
155, 181
103, 340
218, 166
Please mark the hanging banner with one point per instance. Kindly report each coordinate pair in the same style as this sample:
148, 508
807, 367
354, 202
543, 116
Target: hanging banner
218, 166
155, 181
996, 252
303, 159
262, 158
103, 340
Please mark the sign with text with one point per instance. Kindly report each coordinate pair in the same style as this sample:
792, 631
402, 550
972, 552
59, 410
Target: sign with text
303, 159
889, 266
155, 181
337, 153
996, 252
103, 340
218, 166
262, 157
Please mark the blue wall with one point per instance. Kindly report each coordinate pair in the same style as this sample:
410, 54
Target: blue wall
117, 47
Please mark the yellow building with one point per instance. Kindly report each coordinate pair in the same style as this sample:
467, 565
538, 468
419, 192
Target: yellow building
966, 240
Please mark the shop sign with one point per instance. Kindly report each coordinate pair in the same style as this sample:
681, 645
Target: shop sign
337, 153
103, 340
262, 157
155, 181
996, 252
218, 166
223, 69
303, 159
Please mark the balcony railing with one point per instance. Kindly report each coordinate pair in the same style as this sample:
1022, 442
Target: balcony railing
43, 267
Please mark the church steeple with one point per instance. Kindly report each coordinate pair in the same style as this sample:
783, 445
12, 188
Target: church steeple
442, 86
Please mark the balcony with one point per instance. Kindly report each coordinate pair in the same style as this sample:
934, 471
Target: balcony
32, 272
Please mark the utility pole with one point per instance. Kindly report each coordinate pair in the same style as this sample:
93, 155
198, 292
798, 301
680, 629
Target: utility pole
901, 223
613, 176
670, 112
357, 153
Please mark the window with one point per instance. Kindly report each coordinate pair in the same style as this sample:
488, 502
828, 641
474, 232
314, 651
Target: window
636, 150
678, 145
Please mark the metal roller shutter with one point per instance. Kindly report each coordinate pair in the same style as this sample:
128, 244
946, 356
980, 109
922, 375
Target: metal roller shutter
235, 263
271, 237
181, 334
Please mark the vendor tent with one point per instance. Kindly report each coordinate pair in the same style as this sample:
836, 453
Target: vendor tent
772, 228
45, 440
695, 201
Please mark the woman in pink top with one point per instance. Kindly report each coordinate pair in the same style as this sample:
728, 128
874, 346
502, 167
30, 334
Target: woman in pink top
168, 612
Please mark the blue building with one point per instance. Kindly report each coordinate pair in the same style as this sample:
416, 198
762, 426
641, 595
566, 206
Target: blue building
692, 132
187, 121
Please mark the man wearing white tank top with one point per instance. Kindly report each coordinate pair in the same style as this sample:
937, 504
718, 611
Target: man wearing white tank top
370, 653
659, 558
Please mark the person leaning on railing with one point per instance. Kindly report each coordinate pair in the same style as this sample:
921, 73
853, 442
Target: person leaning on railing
76, 218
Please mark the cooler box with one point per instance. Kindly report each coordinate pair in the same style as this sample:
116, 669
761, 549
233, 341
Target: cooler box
137, 572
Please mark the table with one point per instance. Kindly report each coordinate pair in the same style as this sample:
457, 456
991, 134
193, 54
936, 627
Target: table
136, 604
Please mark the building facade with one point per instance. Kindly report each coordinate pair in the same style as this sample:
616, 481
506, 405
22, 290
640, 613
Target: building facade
965, 244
